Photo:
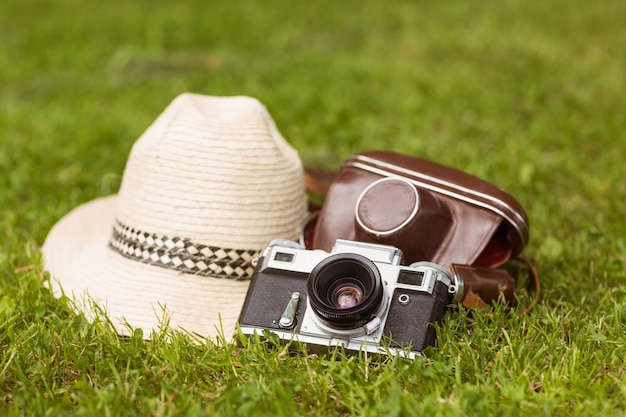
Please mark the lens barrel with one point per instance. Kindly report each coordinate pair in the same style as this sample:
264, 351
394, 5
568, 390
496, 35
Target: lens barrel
345, 290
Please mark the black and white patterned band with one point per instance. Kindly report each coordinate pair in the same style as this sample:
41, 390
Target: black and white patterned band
182, 254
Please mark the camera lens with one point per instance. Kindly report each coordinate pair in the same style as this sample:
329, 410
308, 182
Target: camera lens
345, 290
347, 297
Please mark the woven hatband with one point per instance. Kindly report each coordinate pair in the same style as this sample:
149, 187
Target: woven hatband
182, 254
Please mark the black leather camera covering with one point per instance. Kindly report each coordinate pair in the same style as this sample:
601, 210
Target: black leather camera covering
421, 308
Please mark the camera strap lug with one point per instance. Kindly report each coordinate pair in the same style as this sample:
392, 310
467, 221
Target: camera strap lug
371, 326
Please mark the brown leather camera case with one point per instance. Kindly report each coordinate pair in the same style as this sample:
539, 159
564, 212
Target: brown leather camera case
430, 211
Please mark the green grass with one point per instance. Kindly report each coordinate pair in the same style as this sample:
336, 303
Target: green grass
528, 95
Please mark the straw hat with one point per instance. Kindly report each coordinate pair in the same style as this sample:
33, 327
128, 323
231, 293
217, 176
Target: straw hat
206, 187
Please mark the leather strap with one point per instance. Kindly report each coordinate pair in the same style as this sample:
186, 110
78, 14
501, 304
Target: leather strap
483, 286
318, 181
534, 284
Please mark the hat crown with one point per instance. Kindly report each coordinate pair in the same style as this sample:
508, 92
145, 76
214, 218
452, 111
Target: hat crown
214, 170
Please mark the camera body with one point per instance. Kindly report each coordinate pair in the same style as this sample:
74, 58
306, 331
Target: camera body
358, 296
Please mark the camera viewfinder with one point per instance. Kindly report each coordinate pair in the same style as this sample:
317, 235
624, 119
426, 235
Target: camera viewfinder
411, 277
284, 257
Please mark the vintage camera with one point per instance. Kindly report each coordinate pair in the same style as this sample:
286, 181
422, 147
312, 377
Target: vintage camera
358, 296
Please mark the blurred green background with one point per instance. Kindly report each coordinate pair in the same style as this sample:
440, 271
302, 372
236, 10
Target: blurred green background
527, 95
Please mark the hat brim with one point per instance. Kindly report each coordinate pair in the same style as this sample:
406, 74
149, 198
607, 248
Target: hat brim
132, 294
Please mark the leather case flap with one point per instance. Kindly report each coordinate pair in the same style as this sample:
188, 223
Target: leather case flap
486, 225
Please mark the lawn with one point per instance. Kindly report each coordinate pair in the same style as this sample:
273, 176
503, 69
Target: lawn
527, 95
